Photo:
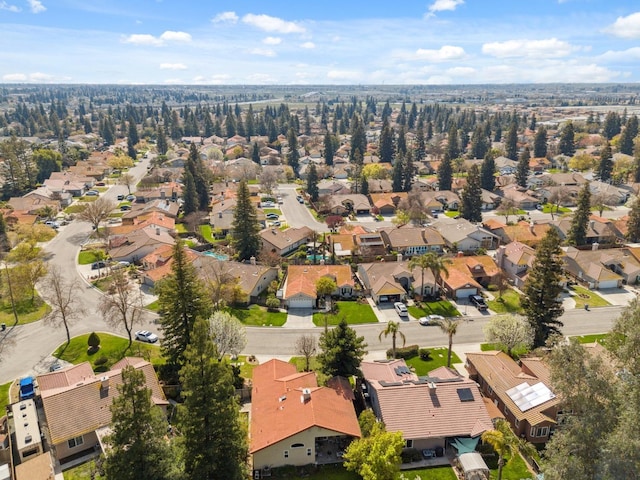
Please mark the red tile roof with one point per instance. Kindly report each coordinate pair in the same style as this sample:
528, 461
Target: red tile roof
303, 278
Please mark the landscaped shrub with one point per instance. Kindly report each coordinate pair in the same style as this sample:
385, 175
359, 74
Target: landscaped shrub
425, 354
273, 304
101, 361
404, 352
410, 455
94, 342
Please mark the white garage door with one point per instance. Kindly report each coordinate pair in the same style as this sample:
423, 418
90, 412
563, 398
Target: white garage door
300, 302
608, 284
463, 293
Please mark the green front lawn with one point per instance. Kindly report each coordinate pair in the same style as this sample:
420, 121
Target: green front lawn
246, 369
433, 473
83, 472
441, 307
75, 208
113, 348
153, 306
438, 359
87, 257
311, 472
516, 352
255, 315
452, 213
89, 198
4, 396
597, 337
546, 208
181, 228
584, 296
272, 210
300, 363
205, 231
508, 303
27, 311
353, 312
515, 469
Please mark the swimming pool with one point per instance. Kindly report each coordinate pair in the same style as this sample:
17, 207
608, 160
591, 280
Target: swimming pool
219, 256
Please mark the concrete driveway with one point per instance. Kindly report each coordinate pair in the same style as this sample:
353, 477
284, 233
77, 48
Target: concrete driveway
299, 318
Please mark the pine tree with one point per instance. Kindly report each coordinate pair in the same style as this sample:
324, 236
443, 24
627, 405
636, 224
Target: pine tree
341, 351
420, 147
397, 182
200, 177
577, 234
161, 142
542, 289
209, 419
245, 231
4, 240
540, 143
408, 172
567, 140
605, 166
138, 450
452, 143
445, 173
182, 300
364, 185
612, 125
633, 224
386, 148
625, 145
293, 157
522, 169
511, 142
358, 139
255, 154
329, 150
479, 143
189, 194
401, 143
487, 172
472, 197
312, 183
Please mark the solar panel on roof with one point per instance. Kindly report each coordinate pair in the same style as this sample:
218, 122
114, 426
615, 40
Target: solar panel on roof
465, 394
527, 396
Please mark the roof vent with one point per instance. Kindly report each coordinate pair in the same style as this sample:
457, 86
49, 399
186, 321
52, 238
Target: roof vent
306, 395
28, 439
282, 398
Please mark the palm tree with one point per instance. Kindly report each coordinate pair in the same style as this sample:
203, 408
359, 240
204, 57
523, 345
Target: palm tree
433, 262
393, 329
505, 443
449, 327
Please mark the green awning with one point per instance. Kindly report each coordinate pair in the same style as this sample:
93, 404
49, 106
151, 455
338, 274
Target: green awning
465, 445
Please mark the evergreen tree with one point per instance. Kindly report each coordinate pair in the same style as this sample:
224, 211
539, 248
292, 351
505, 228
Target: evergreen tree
131, 149
566, 145
578, 231
329, 150
408, 172
542, 289
421, 147
471, 207
612, 125
605, 166
522, 169
200, 177
479, 143
445, 173
255, 154
397, 183
4, 240
245, 231
189, 194
138, 450
293, 157
633, 224
625, 145
182, 300
341, 351
386, 148
312, 183
364, 185
161, 142
452, 143
511, 142
209, 419
358, 140
401, 143
540, 142
487, 172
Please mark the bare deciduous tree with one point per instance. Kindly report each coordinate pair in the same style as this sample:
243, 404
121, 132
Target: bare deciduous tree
96, 212
128, 181
306, 346
559, 197
64, 300
602, 201
122, 305
507, 208
228, 334
268, 180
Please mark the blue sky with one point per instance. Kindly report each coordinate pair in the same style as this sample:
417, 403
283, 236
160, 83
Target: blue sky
325, 42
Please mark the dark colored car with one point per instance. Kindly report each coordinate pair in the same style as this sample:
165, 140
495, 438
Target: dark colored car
97, 265
478, 302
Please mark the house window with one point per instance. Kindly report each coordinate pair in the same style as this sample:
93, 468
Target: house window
543, 432
308, 452
286, 454
408, 443
516, 423
75, 442
297, 445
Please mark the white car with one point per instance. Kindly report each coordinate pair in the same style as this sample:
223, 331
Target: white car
401, 308
430, 319
145, 336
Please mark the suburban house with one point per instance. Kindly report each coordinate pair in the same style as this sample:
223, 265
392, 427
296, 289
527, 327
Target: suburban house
39, 467
221, 217
134, 246
505, 166
529, 233
515, 259
610, 194
168, 191
520, 391
386, 203
392, 281
446, 198
379, 186
437, 411
409, 240
299, 289
599, 230
342, 244
467, 275
166, 207
296, 422
370, 244
157, 264
521, 198
284, 242
463, 236
331, 187
566, 195
32, 203
346, 204
77, 402
253, 279
490, 200
152, 219
602, 269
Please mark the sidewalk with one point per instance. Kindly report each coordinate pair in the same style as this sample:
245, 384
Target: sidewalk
461, 350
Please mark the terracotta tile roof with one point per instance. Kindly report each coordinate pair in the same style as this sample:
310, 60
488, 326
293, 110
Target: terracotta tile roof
278, 412
502, 373
493, 411
82, 407
161, 255
39, 467
303, 278
419, 411
66, 377
355, 230
162, 271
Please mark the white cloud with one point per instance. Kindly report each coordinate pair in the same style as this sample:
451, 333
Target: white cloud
14, 77
225, 17
142, 39
40, 77
272, 24
36, 6
547, 48
272, 41
171, 36
443, 54
630, 54
308, 45
10, 8
444, 5
343, 75
626, 27
173, 66
259, 78
461, 71
174, 81
264, 52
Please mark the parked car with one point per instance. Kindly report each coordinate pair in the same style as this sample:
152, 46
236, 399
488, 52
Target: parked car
401, 309
100, 184
52, 224
272, 216
125, 207
27, 388
98, 265
55, 366
276, 224
120, 197
267, 204
121, 264
130, 198
300, 199
92, 193
146, 336
430, 319
478, 302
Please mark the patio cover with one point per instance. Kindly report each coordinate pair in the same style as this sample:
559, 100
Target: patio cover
471, 463
465, 445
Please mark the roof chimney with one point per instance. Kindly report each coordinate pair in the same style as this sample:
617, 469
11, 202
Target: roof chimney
252, 260
104, 382
306, 395
399, 257
531, 226
432, 388
157, 230
592, 224
595, 246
